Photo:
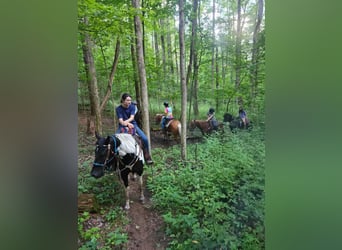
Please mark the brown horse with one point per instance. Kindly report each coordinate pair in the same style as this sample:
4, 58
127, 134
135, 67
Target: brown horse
204, 126
172, 127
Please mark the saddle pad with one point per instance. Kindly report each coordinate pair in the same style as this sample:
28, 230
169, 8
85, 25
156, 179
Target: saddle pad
129, 146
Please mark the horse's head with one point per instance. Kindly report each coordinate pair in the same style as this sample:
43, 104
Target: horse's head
104, 154
227, 117
158, 118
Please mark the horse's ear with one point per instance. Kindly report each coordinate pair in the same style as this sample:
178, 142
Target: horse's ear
97, 135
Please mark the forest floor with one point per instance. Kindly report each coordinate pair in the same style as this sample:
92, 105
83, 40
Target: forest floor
146, 228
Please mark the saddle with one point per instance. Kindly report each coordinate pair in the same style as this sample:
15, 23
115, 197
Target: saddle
168, 122
127, 130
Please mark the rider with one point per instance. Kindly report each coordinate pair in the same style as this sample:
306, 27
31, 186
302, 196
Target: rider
125, 113
211, 119
168, 115
243, 116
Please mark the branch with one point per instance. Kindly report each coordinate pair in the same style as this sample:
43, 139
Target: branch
111, 76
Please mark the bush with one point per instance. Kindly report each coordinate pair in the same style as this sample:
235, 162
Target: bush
216, 199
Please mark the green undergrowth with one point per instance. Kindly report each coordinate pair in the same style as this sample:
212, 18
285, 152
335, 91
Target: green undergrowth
215, 200
104, 229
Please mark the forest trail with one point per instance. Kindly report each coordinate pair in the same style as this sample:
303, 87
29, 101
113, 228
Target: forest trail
145, 229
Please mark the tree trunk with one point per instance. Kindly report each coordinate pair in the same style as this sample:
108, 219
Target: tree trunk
193, 53
111, 76
156, 48
142, 72
213, 50
182, 77
162, 41
217, 77
136, 84
95, 113
176, 60
255, 50
238, 49
169, 49
196, 60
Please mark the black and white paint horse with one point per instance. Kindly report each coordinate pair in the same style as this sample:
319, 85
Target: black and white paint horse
122, 153
236, 122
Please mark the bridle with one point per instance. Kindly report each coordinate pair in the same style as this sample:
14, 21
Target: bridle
109, 153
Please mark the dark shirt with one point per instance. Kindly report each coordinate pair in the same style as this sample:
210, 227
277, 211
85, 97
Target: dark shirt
125, 113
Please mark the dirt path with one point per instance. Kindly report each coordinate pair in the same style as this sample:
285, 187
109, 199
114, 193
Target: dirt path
146, 228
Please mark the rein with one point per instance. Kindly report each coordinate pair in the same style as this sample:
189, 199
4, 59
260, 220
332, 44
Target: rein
107, 161
115, 153
96, 164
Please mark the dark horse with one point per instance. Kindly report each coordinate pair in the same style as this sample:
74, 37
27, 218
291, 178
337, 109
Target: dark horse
122, 153
172, 126
236, 122
204, 126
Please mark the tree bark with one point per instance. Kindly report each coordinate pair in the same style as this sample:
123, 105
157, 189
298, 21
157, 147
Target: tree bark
95, 113
193, 54
238, 49
111, 76
141, 69
213, 49
182, 77
169, 48
136, 84
255, 50
162, 41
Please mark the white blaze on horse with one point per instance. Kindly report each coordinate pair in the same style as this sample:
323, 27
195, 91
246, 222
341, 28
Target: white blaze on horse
122, 153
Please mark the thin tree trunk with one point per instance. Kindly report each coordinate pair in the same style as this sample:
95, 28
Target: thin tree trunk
156, 48
238, 49
217, 76
176, 62
255, 50
182, 77
136, 83
142, 72
112, 74
95, 113
192, 55
213, 49
196, 60
162, 39
169, 48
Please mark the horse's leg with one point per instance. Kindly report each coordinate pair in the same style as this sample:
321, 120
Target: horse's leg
133, 176
141, 183
127, 207
124, 179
